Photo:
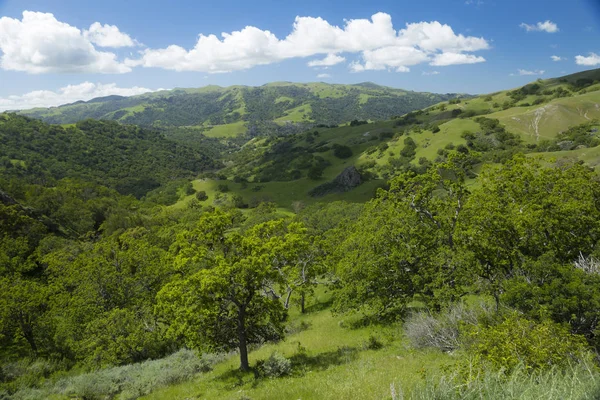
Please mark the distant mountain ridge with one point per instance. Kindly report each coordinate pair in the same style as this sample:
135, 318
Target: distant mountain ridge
239, 109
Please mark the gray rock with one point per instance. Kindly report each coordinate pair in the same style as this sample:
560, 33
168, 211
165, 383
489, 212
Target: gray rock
349, 178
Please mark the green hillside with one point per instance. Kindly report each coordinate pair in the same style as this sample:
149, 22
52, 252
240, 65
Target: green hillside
127, 158
554, 118
447, 253
273, 108
288, 169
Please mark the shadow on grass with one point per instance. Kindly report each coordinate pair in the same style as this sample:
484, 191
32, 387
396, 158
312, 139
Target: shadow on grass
235, 378
303, 362
320, 306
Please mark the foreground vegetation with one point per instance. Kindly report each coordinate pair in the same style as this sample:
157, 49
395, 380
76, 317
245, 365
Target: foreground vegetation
219, 280
472, 271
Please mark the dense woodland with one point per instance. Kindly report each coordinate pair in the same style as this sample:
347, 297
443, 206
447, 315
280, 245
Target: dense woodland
95, 272
127, 158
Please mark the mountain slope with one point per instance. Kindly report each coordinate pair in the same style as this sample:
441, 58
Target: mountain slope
551, 118
272, 108
128, 158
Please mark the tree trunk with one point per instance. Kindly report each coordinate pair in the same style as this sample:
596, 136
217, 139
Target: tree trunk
28, 334
286, 305
497, 299
302, 303
243, 345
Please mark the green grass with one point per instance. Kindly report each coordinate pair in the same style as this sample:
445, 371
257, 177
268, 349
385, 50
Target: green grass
590, 156
226, 130
336, 364
363, 98
283, 193
282, 99
579, 382
332, 358
287, 192
129, 111
296, 114
545, 121
450, 132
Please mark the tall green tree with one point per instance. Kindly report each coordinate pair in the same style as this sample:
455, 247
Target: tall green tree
230, 301
404, 243
113, 281
23, 304
298, 259
523, 210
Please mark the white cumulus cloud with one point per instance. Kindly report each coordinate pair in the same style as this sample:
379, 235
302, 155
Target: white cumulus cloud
398, 58
39, 43
427, 73
330, 60
546, 26
556, 58
323, 76
592, 60
450, 58
108, 36
68, 94
524, 72
379, 44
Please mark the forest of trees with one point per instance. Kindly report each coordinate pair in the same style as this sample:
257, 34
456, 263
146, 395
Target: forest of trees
120, 282
257, 105
95, 273
127, 158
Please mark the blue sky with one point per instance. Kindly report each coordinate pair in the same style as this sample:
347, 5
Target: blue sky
57, 51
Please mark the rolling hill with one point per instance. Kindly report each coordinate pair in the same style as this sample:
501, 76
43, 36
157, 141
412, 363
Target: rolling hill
553, 118
120, 266
540, 119
280, 107
127, 158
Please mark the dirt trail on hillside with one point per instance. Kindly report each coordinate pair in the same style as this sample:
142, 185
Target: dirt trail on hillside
538, 114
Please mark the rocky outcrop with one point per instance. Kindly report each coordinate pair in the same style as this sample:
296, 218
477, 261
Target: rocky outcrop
6, 199
347, 180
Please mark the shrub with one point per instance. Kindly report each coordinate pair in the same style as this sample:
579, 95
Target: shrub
129, 381
372, 343
293, 328
315, 172
442, 331
223, 188
238, 201
383, 147
581, 381
456, 112
461, 148
519, 341
341, 151
565, 293
274, 366
386, 135
201, 195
